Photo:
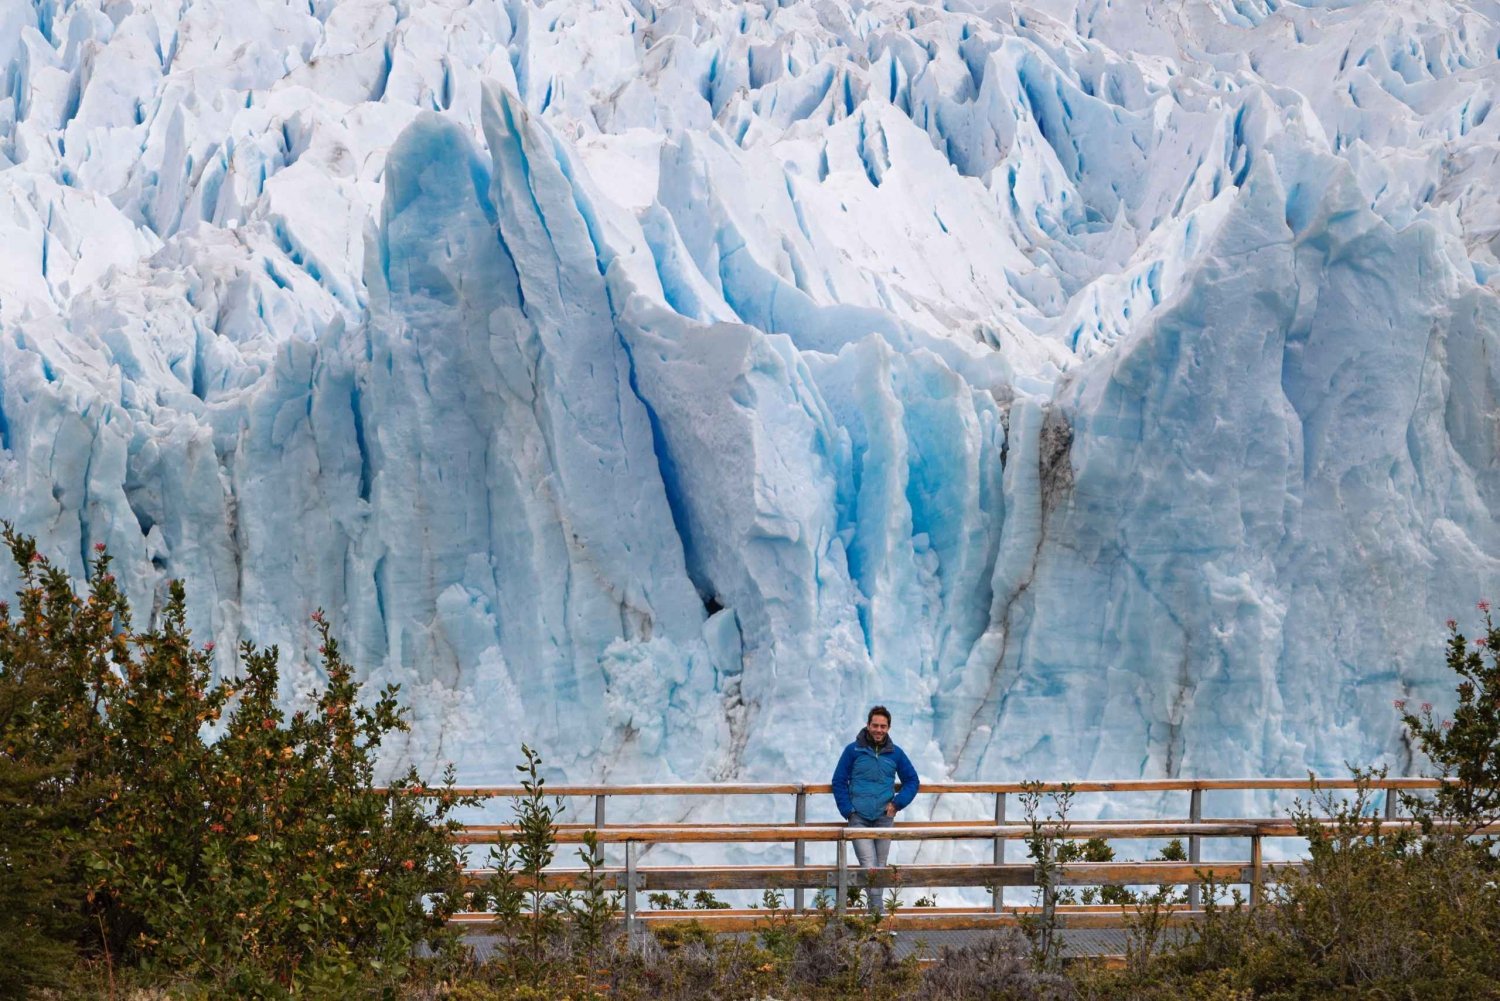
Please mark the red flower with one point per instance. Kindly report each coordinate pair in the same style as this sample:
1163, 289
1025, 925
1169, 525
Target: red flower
1399, 703
1481, 641
1452, 624
36, 557
217, 828
1483, 604
408, 865
208, 647
1447, 724
268, 724
1427, 707
317, 616
99, 547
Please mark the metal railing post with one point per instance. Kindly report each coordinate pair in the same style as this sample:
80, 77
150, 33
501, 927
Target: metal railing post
599, 821
631, 848
1195, 843
1255, 870
999, 901
1049, 904
799, 848
1391, 801
841, 883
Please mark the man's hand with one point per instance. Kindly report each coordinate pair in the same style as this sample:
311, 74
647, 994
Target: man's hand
890, 809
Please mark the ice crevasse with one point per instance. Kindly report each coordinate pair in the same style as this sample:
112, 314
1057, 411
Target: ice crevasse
1111, 393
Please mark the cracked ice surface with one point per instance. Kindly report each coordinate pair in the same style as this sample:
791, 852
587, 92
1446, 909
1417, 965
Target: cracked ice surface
1111, 390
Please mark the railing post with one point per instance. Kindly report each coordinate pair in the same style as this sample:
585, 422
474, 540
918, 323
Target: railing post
1049, 905
1195, 844
1255, 870
599, 820
799, 848
841, 883
999, 901
630, 885
1391, 801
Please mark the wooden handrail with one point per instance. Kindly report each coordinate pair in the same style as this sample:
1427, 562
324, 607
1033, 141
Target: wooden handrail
675, 826
1014, 874
1112, 831
746, 833
942, 788
571, 832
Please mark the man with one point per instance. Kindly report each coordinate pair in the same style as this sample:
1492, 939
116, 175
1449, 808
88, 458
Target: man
864, 787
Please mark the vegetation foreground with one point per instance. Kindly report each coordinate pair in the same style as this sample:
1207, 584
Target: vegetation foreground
164, 834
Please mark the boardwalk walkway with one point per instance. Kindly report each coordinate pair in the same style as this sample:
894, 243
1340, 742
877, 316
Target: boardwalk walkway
1076, 943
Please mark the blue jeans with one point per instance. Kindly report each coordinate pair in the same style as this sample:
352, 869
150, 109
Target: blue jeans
872, 853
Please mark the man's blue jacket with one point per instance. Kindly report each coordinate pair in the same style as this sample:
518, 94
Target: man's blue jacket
865, 779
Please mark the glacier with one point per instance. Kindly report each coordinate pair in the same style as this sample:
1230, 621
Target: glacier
1112, 390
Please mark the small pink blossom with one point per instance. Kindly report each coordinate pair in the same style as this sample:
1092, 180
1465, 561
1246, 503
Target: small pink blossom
108, 578
1447, 724
1481, 641
1399, 703
318, 616
99, 547
1452, 624
1483, 604
36, 557
1427, 707
208, 647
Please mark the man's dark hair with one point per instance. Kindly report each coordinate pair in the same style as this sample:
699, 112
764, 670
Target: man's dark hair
878, 711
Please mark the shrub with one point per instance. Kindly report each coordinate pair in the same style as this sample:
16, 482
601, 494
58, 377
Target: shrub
39, 919
1376, 911
527, 918
1466, 745
999, 968
1372, 911
701, 900
58, 655
258, 863
1048, 847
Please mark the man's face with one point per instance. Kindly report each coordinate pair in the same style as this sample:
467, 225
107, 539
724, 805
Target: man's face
878, 726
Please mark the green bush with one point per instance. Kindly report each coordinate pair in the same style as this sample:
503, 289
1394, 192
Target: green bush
1465, 745
39, 917
1377, 910
209, 838
529, 920
1374, 911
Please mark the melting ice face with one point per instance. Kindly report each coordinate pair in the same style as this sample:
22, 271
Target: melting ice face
1107, 391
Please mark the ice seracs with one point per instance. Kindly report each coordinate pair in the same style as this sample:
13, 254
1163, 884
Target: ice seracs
1107, 390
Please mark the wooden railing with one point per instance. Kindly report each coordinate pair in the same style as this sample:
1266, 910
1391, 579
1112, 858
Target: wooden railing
632, 877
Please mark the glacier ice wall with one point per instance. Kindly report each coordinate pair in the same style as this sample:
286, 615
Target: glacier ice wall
1110, 390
